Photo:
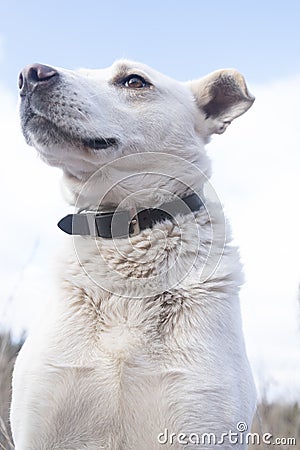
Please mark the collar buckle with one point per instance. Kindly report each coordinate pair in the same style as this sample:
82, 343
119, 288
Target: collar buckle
134, 224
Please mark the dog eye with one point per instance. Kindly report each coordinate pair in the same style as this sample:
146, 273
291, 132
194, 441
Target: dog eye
135, 82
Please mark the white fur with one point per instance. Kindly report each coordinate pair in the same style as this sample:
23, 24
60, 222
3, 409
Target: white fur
145, 333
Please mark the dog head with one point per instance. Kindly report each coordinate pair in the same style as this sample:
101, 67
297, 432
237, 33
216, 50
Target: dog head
84, 120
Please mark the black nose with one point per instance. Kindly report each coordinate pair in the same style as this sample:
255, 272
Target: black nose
35, 74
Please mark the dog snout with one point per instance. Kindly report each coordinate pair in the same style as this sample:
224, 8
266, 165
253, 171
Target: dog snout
35, 74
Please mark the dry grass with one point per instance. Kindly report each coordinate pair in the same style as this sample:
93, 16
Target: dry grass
275, 418
280, 420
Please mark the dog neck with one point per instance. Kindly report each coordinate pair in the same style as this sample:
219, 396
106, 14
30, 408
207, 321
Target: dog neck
127, 184
135, 189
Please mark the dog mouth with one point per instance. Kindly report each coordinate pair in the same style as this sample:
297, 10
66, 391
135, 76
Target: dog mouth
46, 133
98, 144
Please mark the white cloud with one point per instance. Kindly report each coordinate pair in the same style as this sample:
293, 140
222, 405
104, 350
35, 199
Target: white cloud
256, 164
256, 173
27, 230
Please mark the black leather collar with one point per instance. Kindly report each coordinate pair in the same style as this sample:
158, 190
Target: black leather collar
118, 224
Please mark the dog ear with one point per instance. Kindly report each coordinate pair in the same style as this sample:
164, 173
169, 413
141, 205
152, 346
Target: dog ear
222, 96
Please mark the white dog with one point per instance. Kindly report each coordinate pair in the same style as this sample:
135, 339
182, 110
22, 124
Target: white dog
143, 346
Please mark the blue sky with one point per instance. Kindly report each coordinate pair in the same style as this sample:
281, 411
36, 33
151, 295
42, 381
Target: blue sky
184, 39
255, 163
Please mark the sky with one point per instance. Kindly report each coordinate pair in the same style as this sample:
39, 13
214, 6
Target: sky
255, 163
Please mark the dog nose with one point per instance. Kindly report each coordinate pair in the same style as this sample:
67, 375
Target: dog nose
33, 75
